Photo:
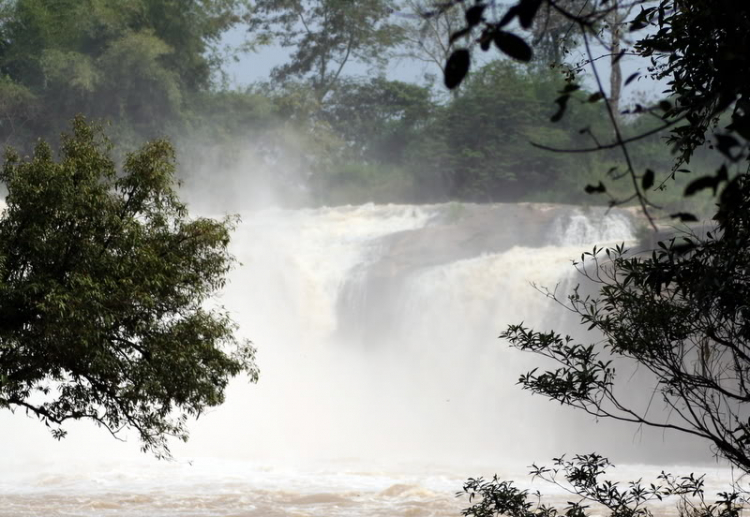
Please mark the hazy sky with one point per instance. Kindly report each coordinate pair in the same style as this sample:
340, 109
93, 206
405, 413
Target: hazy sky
256, 66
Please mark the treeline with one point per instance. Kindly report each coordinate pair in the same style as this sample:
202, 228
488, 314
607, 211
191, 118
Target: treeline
154, 67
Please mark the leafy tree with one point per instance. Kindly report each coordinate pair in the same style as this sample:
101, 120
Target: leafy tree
704, 86
485, 134
326, 35
134, 62
682, 314
427, 32
553, 35
104, 284
378, 118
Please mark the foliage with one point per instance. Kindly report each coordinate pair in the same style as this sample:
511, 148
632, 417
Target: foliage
703, 86
378, 119
682, 314
707, 80
485, 135
103, 288
427, 38
589, 494
326, 36
133, 62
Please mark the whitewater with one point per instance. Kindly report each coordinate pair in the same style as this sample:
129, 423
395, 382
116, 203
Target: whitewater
383, 382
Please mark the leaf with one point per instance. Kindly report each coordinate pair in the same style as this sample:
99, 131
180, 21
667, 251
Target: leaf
595, 189
508, 17
513, 46
527, 10
474, 14
562, 102
740, 124
648, 179
595, 97
459, 34
658, 45
725, 144
701, 183
632, 77
684, 217
456, 68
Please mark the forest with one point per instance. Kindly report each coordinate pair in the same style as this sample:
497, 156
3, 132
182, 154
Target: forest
326, 127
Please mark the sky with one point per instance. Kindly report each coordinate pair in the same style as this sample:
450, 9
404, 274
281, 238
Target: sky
256, 66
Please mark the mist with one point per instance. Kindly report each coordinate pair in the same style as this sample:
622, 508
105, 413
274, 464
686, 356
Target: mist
388, 233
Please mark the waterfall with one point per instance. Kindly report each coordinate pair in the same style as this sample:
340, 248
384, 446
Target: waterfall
376, 327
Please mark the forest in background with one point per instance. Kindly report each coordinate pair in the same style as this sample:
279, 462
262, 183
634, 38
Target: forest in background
312, 134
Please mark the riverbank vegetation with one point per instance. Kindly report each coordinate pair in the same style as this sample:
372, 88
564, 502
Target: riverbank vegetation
313, 133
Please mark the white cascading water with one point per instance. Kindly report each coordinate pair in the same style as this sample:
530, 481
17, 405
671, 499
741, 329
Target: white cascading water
383, 384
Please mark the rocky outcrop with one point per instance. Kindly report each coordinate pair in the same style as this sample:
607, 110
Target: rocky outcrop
458, 232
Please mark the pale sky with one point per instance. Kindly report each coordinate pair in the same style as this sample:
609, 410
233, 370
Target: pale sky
256, 66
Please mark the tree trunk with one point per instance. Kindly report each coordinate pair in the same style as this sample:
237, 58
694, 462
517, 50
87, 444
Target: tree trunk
615, 78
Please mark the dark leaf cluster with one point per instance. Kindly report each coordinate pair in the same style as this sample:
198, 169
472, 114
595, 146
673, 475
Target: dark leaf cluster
589, 493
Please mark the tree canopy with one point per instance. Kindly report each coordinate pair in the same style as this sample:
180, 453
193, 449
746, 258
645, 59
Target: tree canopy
326, 35
133, 61
105, 286
679, 312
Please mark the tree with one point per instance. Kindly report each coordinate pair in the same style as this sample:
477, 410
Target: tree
703, 87
327, 35
427, 38
682, 314
378, 118
553, 34
679, 313
104, 291
133, 62
484, 134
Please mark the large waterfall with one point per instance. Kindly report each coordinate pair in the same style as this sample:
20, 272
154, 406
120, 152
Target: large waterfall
383, 383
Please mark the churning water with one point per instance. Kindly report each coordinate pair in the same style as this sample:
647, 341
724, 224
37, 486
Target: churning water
383, 384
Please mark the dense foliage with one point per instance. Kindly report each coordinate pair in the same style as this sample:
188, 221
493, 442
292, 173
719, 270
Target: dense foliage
133, 62
103, 288
155, 67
